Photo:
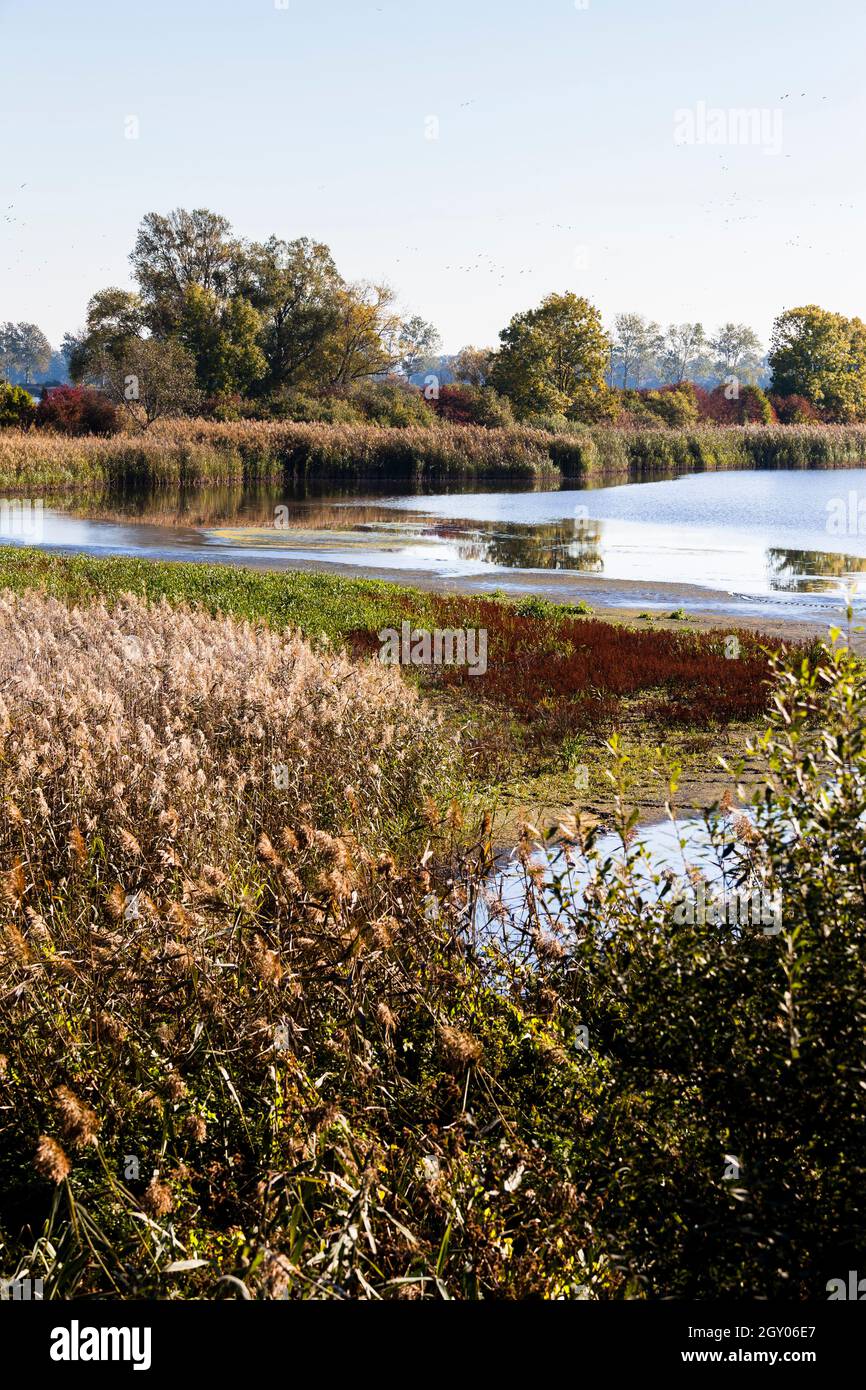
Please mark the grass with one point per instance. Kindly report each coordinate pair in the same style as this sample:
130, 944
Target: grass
553, 673
195, 451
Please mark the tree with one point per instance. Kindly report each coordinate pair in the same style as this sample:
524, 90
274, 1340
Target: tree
183, 250
24, 350
737, 352
364, 342
295, 287
417, 341
151, 378
821, 356
637, 344
553, 359
114, 318
472, 366
683, 351
222, 337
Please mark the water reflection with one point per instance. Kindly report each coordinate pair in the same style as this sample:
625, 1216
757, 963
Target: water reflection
742, 534
807, 571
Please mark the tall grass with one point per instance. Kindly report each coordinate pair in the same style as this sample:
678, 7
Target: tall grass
194, 451
293, 1034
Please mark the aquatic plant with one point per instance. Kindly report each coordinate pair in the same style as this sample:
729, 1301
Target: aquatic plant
192, 451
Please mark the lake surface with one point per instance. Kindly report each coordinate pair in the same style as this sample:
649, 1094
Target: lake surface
779, 541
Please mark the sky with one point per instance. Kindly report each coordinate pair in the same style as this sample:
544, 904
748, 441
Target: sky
475, 154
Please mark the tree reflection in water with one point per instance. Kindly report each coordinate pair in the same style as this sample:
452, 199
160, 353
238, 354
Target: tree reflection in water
811, 571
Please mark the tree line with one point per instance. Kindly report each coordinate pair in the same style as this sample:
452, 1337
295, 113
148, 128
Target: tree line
220, 325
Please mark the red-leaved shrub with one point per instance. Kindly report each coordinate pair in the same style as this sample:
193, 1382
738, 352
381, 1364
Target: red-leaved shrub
77, 410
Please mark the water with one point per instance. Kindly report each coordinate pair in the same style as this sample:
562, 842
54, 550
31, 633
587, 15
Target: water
777, 542
665, 844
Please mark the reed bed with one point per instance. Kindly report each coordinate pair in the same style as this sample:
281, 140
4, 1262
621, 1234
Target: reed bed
289, 1039
187, 452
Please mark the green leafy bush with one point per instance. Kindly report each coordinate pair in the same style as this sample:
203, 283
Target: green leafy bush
17, 407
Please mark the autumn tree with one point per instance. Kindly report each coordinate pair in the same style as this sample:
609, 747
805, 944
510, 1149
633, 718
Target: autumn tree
554, 358
472, 366
365, 340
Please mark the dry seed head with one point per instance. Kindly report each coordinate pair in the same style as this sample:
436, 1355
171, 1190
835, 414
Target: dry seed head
78, 1122
195, 1129
13, 884
266, 854
115, 903
129, 843
50, 1161
77, 846
157, 1200
461, 1048
386, 1017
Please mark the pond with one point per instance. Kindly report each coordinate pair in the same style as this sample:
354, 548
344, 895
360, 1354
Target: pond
781, 542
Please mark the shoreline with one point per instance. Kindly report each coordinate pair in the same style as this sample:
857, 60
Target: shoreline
611, 600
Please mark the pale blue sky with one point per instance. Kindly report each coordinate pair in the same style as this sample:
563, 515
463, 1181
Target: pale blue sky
555, 165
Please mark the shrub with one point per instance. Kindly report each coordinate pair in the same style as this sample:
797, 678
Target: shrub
77, 410
17, 407
393, 403
794, 410
677, 406
750, 406
462, 404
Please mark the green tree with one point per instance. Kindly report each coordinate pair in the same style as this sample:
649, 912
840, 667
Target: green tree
417, 341
182, 250
24, 350
637, 345
114, 318
553, 359
736, 352
821, 356
684, 352
223, 338
295, 287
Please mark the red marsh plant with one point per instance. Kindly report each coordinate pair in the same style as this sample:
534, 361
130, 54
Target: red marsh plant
564, 674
